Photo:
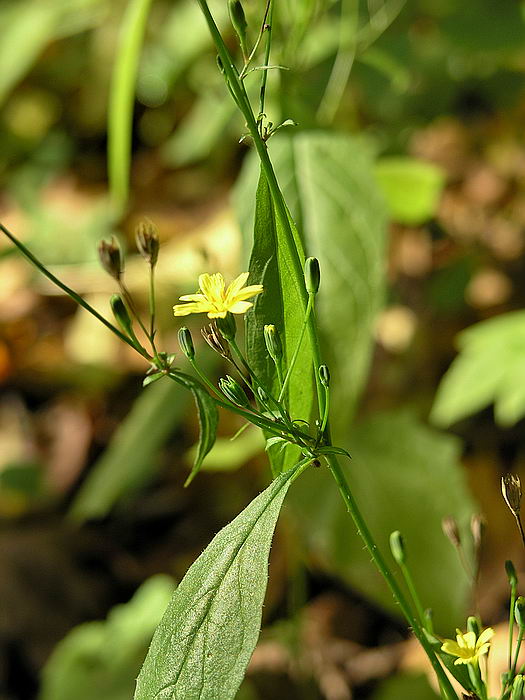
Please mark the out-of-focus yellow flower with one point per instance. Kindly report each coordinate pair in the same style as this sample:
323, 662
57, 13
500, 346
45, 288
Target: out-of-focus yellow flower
467, 648
216, 300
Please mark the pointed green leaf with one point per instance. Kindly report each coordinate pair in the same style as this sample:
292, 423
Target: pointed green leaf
280, 305
152, 378
208, 419
206, 638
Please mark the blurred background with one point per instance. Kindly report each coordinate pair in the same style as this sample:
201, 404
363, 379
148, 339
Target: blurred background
406, 173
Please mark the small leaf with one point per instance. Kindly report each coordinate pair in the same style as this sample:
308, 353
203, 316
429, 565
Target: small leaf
276, 440
151, 378
334, 451
207, 635
412, 188
102, 658
208, 419
489, 368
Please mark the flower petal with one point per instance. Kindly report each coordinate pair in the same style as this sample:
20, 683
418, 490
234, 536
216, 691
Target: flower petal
191, 308
485, 636
193, 297
240, 307
213, 313
235, 287
212, 286
248, 292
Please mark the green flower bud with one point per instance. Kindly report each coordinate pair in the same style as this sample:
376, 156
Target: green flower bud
324, 375
238, 20
519, 611
473, 625
111, 257
227, 326
233, 391
312, 275
273, 342
121, 314
147, 240
397, 547
186, 342
511, 573
517, 688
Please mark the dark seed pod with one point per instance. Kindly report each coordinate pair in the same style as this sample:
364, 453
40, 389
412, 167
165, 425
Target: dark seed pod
111, 258
147, 240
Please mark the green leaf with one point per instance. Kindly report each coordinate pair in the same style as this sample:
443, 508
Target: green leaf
152, 378
130, 460
208, 420
328, 182
280, 305
490, 368
412, 188
121, 98
406, 477
102, 659
207, 635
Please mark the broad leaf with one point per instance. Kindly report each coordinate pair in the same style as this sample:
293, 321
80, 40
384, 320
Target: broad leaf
207, 635
329, 186
131, 458
101, 659
490, 368
280, 304
405, 477
412, 188
208, 420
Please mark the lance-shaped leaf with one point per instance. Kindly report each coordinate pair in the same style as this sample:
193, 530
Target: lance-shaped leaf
280, 304
208, 419
207, 635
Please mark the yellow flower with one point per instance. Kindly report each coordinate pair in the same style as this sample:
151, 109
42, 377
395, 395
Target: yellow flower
216, 300
466, 647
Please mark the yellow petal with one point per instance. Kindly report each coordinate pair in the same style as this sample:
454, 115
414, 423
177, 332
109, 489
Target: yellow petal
485, 636
191, 308
236, 286
240, 307
213, 313
212, 286
193, 297
248, 292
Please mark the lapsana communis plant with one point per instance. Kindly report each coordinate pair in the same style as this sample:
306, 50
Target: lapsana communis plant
205, 640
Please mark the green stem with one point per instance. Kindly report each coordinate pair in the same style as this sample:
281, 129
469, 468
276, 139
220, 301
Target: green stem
76, 297
511, 620
379, 561
413, 593
256, 45
152, 304
517, 651
264, 78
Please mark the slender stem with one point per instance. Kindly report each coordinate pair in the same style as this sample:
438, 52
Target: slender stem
256, 45
517, 651
264, 78
379, 561
511, 620
324, 421
407, 575
152, 303
295, 355
520, 528
70, 292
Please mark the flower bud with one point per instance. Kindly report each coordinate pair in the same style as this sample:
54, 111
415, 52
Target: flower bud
397, 547
450, 529
186, 342
238, 20
511, 573
324, 376
273, 342
511, 490
147, 240
216, 342
473, 625
517, 688
233, 391
312, 275
121, 314
519, 611
477, 527
111, 257
227, 326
